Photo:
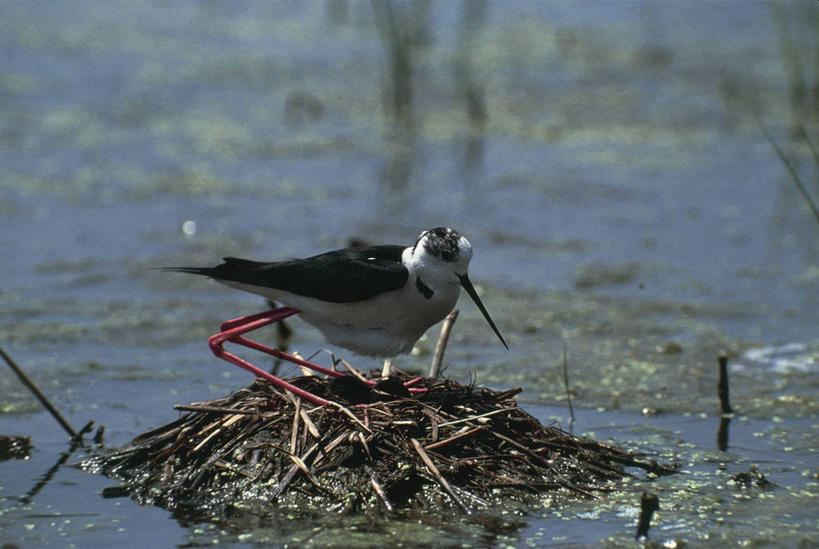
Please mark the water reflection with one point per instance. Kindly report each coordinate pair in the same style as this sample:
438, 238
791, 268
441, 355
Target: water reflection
406, 37
473, 20
722, 432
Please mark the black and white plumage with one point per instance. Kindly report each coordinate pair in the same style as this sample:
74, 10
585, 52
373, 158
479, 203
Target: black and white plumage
375, 300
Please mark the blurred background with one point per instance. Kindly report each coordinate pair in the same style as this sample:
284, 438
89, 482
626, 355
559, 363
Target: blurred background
607, 161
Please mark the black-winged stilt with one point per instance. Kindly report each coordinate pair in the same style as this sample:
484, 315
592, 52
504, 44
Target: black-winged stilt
374, 300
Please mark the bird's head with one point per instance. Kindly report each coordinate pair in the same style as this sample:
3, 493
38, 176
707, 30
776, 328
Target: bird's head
443, 251
442, 254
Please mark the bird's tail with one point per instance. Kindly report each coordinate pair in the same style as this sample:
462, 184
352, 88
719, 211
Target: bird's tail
204, 271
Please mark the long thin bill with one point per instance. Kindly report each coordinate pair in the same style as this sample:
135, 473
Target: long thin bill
470, 289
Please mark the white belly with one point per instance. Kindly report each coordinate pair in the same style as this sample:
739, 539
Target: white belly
384, 326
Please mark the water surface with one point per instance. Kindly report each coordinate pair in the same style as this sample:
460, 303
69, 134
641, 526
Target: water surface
618, 192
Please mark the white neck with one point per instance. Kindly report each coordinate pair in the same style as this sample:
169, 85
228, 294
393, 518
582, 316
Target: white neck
437, 275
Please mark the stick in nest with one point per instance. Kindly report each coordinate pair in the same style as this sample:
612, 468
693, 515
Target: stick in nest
440, 347
437, 474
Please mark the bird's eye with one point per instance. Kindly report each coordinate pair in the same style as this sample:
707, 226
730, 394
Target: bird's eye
447, 256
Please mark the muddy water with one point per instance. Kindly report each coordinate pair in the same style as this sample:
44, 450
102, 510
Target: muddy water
618, 192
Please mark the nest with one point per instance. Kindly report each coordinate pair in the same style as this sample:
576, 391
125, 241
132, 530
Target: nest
453, 446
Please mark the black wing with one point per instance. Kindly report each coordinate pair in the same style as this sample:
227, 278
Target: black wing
341, 276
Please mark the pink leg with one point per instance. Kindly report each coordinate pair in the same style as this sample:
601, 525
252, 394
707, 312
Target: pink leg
275, 315
232, 331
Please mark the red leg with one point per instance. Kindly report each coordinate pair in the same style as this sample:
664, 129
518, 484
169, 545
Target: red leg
275, 315
232, 331
245, 324
216, 347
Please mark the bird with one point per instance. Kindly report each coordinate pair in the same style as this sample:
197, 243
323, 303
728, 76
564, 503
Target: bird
372, 300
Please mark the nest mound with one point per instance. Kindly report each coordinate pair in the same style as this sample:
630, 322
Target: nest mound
451, 446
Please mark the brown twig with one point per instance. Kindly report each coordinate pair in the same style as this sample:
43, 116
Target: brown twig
294, 432
40, 396
379, 491
648, 504
213, 409
545, 463
792, 171
351, 415
722, 432
455, 438
722, 385
330, 447
352, 370
566, 382
440, 346
291, 474
437, 474
311, 427
476, 417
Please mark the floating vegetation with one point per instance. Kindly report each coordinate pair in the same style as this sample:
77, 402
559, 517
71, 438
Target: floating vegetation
452, 446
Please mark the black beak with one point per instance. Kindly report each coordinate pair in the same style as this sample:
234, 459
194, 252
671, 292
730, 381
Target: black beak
467, 285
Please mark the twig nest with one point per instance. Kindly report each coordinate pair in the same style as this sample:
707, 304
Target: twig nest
451, 446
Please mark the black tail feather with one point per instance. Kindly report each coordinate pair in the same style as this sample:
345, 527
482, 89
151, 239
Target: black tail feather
204, 271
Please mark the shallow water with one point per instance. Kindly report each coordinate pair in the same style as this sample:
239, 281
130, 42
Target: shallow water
620, 198
701, 505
